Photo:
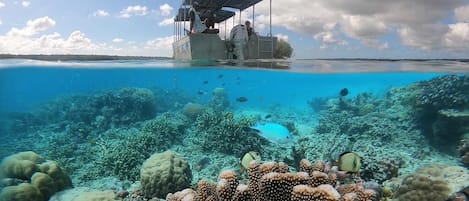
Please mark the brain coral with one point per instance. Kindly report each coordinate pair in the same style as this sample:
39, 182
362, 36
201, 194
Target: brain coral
432, 183
164, 173
31, 178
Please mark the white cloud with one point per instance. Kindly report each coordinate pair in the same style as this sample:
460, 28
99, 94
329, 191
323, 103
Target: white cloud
25, 3
282, 37
33, 27
457, 38
117, 40
0, 21
329, 38
367, 21
426, 37
2, 4
166, 22
134, 11
100, 13
461, 14
161, 46
165, 9
30, 40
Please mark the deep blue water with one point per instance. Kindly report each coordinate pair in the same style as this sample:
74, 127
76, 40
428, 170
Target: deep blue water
22, 87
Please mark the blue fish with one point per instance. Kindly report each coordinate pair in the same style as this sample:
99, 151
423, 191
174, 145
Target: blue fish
273, 132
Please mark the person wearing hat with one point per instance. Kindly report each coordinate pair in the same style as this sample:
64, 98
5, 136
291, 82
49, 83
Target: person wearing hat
196, 25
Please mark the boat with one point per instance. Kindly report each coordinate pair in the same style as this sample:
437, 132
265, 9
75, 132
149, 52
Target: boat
211, 46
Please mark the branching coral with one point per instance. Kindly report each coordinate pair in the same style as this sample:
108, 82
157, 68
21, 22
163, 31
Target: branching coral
219, 132
123, 158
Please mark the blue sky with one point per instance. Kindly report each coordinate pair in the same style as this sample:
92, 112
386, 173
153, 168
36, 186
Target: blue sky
315, 29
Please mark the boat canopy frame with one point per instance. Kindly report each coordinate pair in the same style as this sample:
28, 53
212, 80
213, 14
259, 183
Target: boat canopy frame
218, 10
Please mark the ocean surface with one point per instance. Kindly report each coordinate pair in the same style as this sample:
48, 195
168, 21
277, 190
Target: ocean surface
101, 120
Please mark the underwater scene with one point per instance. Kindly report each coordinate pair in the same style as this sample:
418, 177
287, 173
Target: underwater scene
322, 130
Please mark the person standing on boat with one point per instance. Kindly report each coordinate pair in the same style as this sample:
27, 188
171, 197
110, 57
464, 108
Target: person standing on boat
239, 38
249, 29
196, 24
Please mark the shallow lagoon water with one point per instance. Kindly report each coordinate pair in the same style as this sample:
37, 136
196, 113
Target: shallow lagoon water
302, 94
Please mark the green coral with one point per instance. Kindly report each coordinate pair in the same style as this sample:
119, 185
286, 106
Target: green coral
164, 173
36, 179
123, 158
221, 132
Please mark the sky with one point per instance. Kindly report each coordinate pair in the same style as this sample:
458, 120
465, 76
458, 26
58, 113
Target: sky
392, 29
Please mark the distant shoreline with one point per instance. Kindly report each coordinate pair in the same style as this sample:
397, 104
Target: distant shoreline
72, 57
78, 57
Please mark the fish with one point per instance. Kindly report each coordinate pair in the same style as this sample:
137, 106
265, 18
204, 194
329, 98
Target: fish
248, 158
205, 82
350, 162
229, 115
273, 132
220, 76
201, 92
242, 99
343, 92
267, 116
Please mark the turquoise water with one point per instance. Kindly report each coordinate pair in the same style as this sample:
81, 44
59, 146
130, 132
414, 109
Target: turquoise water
101, 120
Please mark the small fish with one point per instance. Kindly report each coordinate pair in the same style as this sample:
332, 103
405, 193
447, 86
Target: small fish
205, 82
267, 116
202, 163
201, 92
220, 76
229, 115
343, 92
350, 162
273, 132
247, 158
242, 99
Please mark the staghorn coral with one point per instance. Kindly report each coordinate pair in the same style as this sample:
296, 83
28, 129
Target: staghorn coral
123, 158
269, 182
226, 134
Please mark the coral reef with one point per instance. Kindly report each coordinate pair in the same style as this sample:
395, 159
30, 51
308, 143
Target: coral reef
30, 177
219, 101
464, 149
84, 115
433, 183
84, 194
192, 110
431, 98
164, 173
123, 158
223, 133
273, 182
